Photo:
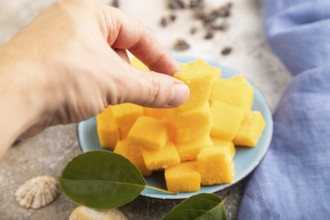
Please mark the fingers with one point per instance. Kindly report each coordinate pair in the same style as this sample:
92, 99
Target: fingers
123, 54
139, 40
154, 89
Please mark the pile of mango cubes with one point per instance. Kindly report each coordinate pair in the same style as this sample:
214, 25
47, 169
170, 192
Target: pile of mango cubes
193, 144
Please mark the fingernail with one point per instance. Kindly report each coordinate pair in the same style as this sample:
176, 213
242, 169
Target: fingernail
180, 95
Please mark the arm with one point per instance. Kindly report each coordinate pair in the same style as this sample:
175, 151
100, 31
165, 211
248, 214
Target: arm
70, 63
18, 103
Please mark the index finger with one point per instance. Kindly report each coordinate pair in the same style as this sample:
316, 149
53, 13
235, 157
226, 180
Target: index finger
126, 32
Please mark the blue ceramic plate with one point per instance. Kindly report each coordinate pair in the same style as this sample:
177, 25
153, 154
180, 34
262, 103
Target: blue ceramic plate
246, 159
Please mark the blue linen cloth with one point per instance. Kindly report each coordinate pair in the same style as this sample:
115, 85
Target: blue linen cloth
293, 180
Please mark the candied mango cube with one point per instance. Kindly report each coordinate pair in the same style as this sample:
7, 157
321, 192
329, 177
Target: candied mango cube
233, 92
107, 129
226, 120
190, 124
138, 64
238, 78
184, 135
189, 151
250, 130
156, 159
123, 131
126, 114
160, 113
149, 132
198, 76
215, 166
195, 117
133, 154
183, 177
226, 146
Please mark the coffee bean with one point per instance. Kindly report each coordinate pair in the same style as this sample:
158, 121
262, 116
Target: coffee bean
199, 14
224, 11
163, 21
193, 30
224, 26
172, 17
181, 45
115, 3
176, 4
226, 51
211, 17
209, 35
196, 4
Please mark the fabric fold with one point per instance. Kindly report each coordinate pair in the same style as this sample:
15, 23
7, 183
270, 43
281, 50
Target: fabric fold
293, 180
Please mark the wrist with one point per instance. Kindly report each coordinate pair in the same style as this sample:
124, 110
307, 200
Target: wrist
19, 97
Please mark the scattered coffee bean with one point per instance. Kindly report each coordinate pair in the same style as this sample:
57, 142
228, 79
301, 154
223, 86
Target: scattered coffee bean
224, 11
196, 3
163, 21
166, 20
115, 3
199, 14
172, 17
193, 30
211, 17
181, 45
209, 35
224, 26
226, 51
176, 4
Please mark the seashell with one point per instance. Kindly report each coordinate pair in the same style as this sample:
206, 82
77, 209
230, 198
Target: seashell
38, 192
85, 213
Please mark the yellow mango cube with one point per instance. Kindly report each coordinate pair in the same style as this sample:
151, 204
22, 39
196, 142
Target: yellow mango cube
149, 132
156, 159
133, 154
215, 166
184, 135
199, 77
195, 117
183, 177
250, 129
107, 129
190, 150
190, 124
138, 64
160, 113
226, 120
238, 78
233, 92
226, 146
123, 131
126, 114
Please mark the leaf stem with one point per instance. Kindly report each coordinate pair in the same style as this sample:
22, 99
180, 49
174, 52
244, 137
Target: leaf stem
224, 200
158, 189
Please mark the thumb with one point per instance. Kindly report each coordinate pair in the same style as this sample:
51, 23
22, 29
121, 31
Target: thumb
152, 89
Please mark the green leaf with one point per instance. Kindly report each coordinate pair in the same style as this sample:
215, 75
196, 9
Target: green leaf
101, 179
203, 206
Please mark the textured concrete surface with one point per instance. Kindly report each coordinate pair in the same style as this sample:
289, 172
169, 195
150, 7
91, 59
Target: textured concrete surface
47, 153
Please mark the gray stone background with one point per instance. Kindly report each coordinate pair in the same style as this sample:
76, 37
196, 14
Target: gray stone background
48, 153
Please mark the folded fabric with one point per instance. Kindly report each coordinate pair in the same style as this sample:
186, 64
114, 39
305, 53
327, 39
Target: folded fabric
293, 180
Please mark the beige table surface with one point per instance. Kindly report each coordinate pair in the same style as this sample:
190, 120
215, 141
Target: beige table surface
47, 153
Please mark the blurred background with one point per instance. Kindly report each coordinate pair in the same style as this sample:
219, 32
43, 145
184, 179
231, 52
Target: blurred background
229, 32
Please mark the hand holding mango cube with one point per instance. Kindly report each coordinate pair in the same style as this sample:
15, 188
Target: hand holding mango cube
195, 143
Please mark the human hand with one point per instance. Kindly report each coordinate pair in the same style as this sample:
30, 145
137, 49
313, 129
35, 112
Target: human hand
71, 62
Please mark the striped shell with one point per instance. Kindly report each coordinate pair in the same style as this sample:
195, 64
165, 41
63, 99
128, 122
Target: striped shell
38, 192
